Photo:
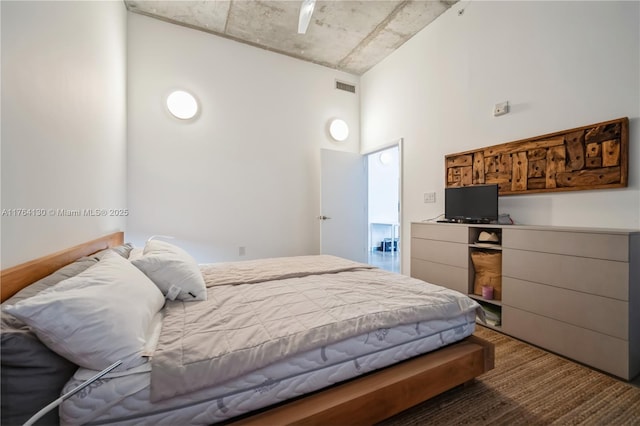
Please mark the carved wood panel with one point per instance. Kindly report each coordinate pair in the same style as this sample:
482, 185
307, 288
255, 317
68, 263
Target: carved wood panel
589, 157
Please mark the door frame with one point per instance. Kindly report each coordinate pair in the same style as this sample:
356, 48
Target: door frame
398, 143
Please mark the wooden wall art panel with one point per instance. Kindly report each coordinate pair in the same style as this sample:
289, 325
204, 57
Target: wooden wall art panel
589, 157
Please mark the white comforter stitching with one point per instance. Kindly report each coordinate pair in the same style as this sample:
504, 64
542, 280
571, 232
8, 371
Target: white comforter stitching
247, 326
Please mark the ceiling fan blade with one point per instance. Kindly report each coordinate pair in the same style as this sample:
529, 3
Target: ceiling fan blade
306, 10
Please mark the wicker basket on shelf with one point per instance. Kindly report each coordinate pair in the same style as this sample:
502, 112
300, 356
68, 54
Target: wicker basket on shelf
488, 272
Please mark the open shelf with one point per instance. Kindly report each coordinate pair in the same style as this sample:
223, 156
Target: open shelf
485, 269
481, 252
477, 230
493, 313
482, 299
486, 246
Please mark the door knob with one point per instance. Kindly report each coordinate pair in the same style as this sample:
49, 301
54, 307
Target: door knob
323, 217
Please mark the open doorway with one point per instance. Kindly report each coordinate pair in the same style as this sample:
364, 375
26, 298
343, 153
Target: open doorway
384, 207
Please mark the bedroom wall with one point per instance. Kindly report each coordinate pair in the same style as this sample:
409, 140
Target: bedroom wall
559, 64
245, 172
63, 124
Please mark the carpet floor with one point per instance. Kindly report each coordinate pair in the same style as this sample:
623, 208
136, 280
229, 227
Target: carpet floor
529, 386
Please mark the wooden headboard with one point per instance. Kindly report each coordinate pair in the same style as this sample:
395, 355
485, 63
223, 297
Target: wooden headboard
18, 277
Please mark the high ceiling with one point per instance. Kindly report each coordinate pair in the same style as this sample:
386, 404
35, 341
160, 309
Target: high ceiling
350, 36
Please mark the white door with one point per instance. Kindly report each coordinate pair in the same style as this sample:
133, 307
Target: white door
343, 216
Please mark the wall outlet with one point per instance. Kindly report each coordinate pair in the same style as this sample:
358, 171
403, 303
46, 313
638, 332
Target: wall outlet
501, 109
242, 251
429, 197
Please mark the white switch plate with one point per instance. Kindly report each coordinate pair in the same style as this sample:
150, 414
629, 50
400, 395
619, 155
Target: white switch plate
429, 197
501, 109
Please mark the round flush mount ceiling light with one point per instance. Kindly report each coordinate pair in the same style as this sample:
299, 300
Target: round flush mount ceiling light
182, 105
339, 130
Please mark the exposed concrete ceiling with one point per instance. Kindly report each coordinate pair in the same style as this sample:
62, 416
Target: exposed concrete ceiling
347, 35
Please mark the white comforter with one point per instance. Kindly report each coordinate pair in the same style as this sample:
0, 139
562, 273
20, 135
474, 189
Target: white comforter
289, 305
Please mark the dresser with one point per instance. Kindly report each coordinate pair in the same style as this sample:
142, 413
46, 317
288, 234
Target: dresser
572, 291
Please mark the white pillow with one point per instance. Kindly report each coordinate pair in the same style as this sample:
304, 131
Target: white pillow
97, 317
173, 270
153, 335
136, 253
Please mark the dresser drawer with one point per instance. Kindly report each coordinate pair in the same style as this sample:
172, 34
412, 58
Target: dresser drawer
584, 244
601, 314
442, 232
448, 276
453, 254
602, 277
601, 351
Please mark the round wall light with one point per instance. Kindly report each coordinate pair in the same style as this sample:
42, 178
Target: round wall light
385, 158
339, 129
182, 105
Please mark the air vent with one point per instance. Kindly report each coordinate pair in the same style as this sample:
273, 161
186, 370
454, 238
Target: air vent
340, 85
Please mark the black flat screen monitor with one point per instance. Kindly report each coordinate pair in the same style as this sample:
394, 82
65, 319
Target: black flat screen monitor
471, 204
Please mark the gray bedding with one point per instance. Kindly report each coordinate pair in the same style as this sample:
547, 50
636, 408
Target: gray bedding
284, 306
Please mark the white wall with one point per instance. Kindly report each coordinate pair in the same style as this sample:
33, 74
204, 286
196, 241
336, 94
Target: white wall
245, 173
63, 123
559, 64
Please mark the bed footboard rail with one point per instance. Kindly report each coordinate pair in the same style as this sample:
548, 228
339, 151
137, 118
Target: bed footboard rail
381, 394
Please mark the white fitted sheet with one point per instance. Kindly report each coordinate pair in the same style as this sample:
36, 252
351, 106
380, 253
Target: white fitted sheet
125, 400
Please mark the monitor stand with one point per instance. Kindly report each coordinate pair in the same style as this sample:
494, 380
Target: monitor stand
465, 220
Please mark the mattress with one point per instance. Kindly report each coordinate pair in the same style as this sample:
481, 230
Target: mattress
281, 307
124, 399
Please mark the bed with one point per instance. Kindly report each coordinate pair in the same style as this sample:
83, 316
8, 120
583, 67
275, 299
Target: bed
361, 354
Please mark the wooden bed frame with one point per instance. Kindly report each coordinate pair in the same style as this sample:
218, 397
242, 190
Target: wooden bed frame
18, 277
363, 400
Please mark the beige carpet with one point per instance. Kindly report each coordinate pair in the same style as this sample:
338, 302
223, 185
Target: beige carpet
530, 387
